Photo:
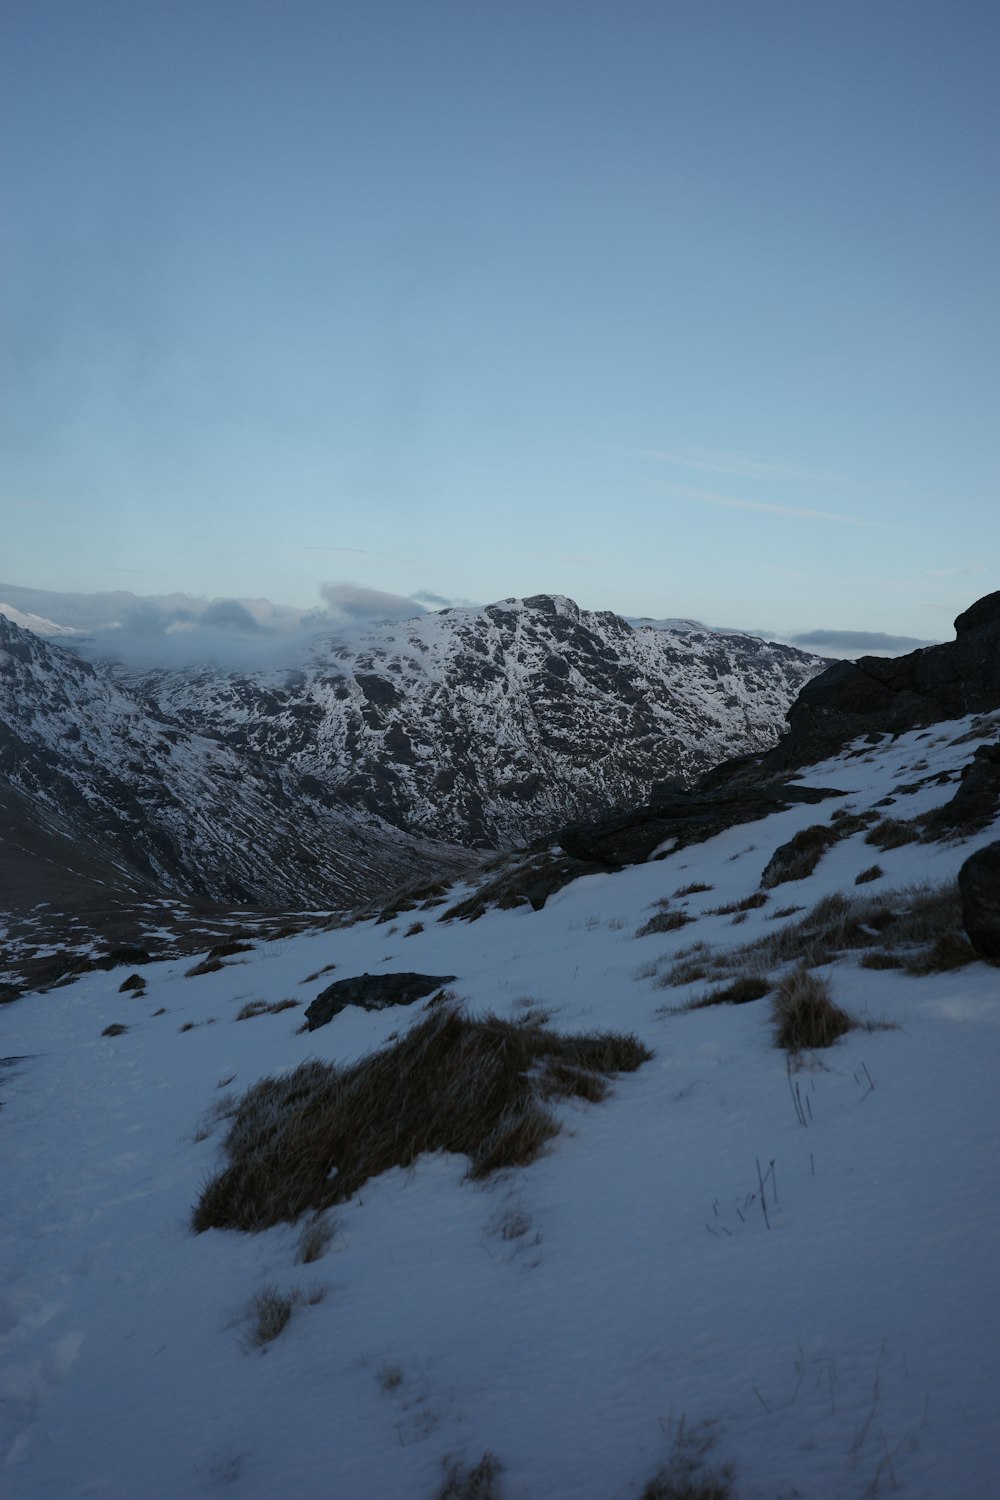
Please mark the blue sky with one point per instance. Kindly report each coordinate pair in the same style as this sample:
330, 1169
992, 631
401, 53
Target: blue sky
680, 308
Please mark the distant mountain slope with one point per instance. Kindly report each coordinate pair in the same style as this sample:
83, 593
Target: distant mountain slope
487, 726
89, 764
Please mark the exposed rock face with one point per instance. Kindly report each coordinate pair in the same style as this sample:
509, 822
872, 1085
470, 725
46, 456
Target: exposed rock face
677, 818
893, 694
974, 804
979, 887
372, 992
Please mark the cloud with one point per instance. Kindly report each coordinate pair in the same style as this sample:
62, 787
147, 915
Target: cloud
970, 570
857, 641
229, 614
743, 465
351, 603
730, 502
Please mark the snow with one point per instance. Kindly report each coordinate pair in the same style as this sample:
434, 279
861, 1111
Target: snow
845, 1346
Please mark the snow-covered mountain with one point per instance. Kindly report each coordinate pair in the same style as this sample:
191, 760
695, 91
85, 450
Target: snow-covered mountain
488, 726
780, 1260
331, 782
87, 764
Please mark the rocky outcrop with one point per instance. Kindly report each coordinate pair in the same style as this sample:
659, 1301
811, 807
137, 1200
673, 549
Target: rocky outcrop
676, 818
888, 695
372, 992
979, 887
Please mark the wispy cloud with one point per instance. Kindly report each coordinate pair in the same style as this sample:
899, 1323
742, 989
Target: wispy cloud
739, 465
730, 502
971, 570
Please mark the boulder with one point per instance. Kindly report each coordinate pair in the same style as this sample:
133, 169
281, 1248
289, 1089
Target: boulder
372, 992
979, 887
974, 804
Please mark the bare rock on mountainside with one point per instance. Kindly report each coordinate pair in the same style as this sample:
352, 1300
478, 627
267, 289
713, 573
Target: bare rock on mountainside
887, 695
372, 992
675, 818
979, 887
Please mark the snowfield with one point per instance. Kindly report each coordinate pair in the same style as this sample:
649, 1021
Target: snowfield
579, 1317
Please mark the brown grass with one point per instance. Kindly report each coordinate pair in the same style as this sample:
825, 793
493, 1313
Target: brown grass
694, 889
310, 1138
664, 921
115, 1029
265, 1008
865, 877
741, 991
893, 833
805, 1014
207, 966
749, 903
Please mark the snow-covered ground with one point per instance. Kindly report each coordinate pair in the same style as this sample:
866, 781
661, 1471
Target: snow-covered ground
569, 1316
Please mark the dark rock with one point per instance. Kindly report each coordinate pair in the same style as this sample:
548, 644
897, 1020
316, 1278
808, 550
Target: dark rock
372, 992
134, 984
226, 950
979, 887
974, 804
889, 695
799, 856
685, 817
123, 954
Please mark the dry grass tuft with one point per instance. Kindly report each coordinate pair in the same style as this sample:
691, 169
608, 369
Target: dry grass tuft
687, 1474
664, 921
207, 966
865, 877
805, 1015
310, 1138
949, 950
265, 1008
115, 1029
413, 929
477, 1483
741, 991
271, 1311
749, 903
893, 833
695, 889
878, 960
314, 1239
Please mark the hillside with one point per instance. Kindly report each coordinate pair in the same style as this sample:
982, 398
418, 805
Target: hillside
780, 1261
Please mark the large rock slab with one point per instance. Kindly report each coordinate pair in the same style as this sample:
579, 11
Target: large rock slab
372, 992
979, 887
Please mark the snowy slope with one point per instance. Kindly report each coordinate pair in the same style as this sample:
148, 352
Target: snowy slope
487, 726
574, 1316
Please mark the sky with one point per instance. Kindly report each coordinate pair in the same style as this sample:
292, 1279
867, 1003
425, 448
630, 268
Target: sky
685, 308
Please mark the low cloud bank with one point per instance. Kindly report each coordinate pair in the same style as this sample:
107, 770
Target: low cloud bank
857, 642
170, 631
